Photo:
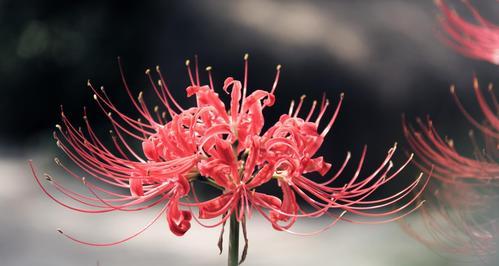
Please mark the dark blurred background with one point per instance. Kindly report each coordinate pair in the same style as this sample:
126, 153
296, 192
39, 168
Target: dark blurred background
385, 55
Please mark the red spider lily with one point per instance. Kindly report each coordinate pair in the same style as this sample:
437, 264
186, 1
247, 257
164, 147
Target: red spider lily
476, 40
440, 154
225, 148
457, 220
459, 217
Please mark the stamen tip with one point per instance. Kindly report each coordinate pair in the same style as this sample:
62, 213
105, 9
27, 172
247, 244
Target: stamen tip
246, 55
59, 230
475, 83
209, 68
452, 88
47, 177
278, 67
148, 71
187, 62
451, 143
157, 68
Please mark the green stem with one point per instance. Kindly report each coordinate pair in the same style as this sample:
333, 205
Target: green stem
233, 241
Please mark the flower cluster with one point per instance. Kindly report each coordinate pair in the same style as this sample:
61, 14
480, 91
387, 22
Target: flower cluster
440, 153
223, 147
456, 220
476, 40
460, 216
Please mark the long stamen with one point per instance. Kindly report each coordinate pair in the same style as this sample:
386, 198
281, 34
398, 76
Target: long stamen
333, 118
291, 106
189, 71
323, 109
165, 87
208, 69
311, 112
302, 98
245, 81
196, 68
119, 241
276, 80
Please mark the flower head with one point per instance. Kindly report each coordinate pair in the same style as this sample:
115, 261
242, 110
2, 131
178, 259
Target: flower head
225, 148
440, 154
460, 217
478, 40
457, 220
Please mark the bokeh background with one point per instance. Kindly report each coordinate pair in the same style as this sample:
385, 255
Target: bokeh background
384, 55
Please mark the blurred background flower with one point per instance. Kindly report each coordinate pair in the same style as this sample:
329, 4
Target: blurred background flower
383, 54
477, 39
